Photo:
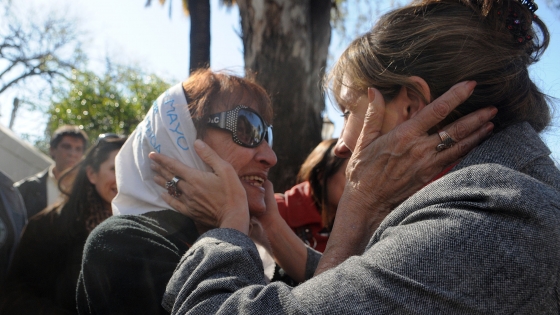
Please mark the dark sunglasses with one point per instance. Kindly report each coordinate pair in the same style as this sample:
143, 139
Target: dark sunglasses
248, 129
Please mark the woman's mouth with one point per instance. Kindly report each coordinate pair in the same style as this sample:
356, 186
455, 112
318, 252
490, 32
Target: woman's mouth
253, 180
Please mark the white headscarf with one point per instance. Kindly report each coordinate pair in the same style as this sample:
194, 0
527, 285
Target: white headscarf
167, 129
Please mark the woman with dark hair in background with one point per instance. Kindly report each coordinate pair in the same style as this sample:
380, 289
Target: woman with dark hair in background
309, 207
44, 272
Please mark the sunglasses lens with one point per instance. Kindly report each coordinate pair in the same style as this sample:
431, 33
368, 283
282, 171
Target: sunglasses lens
250, 128
106, 136
269, 136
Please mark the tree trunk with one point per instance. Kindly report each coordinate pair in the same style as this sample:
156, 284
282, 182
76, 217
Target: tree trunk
200, 34
286, 44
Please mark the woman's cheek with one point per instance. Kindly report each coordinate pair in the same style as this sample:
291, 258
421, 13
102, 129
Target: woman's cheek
352, 131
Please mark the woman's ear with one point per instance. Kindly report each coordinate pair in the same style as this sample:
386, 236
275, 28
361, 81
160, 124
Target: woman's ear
91, 175
417, 102
423, 85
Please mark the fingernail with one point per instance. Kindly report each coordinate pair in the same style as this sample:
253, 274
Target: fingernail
199, 144
493, 112
371, 94
471, 85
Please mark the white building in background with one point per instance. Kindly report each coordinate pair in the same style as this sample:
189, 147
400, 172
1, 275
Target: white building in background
19, 159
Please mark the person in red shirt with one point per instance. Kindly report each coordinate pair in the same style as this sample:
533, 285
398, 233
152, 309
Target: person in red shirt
309, 207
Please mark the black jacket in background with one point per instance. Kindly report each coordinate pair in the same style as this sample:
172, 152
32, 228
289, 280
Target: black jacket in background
128, 261
46, 264
33, 190
12, 221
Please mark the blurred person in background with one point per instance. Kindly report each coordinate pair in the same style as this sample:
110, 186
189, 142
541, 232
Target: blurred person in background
12, 221
67, 147
44, 272
309, 207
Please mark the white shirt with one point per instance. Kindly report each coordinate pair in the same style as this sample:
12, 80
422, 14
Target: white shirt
53, 194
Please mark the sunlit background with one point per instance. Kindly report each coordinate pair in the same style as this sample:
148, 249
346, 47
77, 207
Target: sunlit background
128, 32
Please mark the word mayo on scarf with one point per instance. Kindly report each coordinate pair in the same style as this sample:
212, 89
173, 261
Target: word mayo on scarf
167, 129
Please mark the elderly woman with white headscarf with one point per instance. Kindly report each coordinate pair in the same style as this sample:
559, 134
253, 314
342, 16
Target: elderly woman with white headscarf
129, 259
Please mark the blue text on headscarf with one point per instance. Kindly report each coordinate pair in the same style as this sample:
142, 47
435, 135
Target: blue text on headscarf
173, 119
151, 135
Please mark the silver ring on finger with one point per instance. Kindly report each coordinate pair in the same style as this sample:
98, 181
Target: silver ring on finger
446, 141
172, 188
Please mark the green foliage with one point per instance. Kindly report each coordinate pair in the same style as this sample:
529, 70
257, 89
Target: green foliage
115, 102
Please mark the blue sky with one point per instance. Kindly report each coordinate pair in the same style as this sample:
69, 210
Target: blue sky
126, 31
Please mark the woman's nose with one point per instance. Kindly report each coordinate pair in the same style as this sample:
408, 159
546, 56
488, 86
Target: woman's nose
341, 150
266, 155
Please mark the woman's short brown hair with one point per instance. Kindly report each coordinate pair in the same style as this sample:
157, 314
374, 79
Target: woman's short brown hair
449, 41
208, 92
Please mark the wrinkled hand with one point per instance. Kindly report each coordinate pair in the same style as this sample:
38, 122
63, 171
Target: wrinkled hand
271, 214
270, 230
384, 170
212, 199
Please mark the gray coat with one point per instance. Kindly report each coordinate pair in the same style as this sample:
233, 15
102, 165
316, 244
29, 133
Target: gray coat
483, 239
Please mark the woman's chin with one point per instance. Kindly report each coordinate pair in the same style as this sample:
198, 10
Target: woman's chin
257, 208
255, 198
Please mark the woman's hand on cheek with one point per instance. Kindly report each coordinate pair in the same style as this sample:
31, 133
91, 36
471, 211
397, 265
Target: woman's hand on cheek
273, 233
270, 202
264, 221
214, 199
384, 170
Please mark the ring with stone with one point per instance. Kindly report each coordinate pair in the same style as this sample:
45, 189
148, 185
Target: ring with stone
446, 141
172, 188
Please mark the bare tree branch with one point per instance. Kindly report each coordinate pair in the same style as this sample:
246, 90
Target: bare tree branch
44, 47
